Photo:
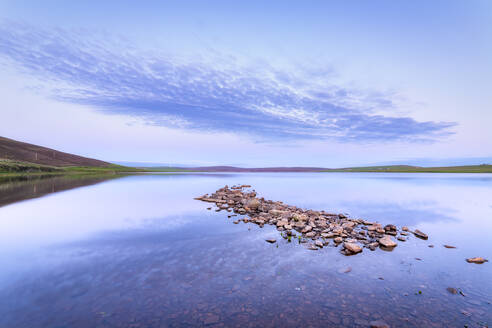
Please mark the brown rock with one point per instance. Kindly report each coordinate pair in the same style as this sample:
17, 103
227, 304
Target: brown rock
352, 248
307, 229
338, 240
271, 240
420, 234
253, 204
379, 324
387, 241
477, 260
449, 246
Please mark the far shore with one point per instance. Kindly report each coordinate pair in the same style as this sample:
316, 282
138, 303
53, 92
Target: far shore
17, 168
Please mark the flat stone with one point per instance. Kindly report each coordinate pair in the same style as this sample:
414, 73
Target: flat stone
319, 243
307, 229
387, 241
449, 246
310, 234
352, 248
271, 240
211, 319
452, 290
477, 260
338, 240
379, 324
420, 234
312, 247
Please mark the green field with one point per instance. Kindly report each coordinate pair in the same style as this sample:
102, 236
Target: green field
14, 168
484, 168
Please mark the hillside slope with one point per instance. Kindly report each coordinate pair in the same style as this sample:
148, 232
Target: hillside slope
24, 152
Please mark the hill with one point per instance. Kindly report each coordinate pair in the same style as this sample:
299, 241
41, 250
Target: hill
18, 151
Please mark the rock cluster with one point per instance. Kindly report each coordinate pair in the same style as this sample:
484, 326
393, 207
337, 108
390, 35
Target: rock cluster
315, 228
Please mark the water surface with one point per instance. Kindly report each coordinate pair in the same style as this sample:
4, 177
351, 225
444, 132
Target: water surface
138, 251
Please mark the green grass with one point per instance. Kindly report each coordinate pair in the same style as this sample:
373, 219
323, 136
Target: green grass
16, 168
484, 168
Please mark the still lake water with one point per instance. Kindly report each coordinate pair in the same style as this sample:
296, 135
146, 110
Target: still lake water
139, 251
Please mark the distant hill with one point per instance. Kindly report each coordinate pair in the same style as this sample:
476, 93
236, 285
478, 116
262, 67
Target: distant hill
484, 168
24, 152
241, 169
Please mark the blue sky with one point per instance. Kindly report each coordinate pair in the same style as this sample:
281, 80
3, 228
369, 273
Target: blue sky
315, 83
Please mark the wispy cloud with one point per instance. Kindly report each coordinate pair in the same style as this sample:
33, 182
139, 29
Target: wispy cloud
218, 96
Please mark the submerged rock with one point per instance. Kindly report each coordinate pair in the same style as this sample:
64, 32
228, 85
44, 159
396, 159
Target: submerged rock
477, 260
379, 324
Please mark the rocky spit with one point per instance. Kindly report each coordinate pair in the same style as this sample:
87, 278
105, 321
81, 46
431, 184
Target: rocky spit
315, 229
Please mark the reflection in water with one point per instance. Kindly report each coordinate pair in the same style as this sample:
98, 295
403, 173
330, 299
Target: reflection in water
140, 252
17, 188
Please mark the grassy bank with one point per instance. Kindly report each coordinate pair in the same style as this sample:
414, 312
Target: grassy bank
484, 168
16, 168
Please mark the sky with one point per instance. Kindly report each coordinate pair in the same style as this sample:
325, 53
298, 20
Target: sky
250, 83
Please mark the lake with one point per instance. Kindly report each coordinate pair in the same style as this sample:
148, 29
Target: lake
139, 251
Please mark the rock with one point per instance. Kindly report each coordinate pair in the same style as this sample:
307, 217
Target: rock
477, 260
379, 324
345, 270
312, 247
405, 229
338, 240
431, 246
452, 290
275, 212
449, 246
400, 238
390, 227
352, 248
387, 241
253, 204
211, 319
310, 234
420, 234
307, 229
282, 223
271, 240
319, 243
